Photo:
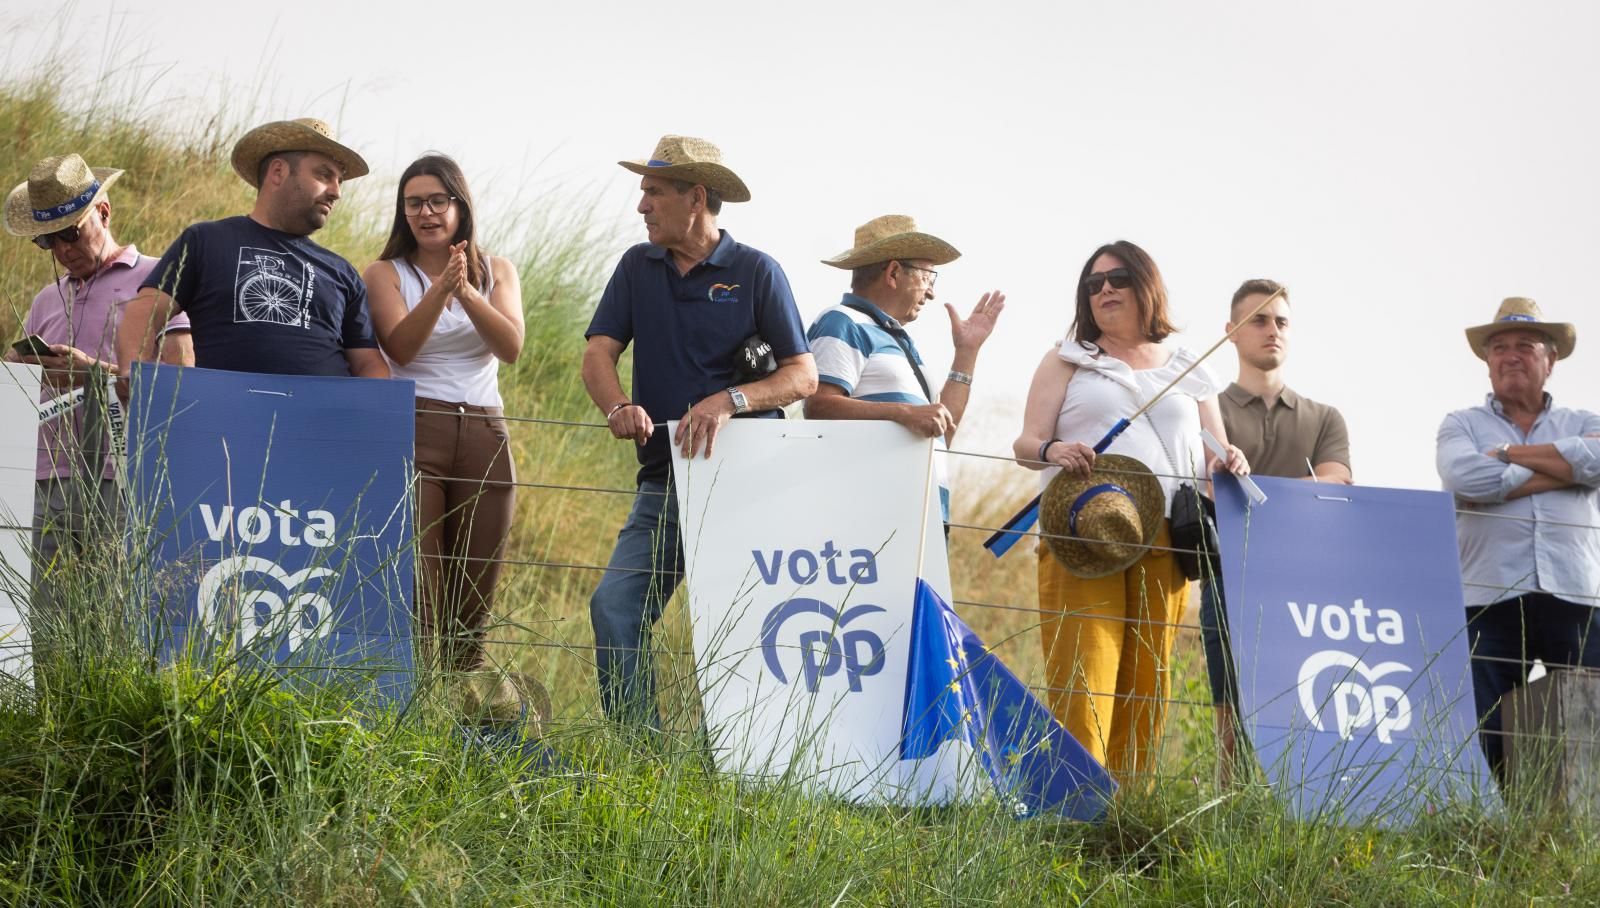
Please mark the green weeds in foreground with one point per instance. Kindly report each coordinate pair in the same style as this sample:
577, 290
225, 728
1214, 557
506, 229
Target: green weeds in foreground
124, 783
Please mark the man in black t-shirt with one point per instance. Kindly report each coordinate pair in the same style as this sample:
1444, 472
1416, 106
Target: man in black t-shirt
260, 295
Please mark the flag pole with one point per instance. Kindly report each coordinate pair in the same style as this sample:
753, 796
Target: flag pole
1004, 538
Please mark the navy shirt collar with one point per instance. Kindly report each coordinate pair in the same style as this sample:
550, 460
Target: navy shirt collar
720, 257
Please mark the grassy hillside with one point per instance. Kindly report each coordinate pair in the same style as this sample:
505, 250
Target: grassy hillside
125, 784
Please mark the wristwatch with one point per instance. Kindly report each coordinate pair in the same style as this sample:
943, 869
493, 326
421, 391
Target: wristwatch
1503, 453
740, 403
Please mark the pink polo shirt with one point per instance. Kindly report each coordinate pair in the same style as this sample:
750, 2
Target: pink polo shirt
84, 314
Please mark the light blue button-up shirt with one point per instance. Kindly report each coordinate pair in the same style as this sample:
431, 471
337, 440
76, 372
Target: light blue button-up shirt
1548, 542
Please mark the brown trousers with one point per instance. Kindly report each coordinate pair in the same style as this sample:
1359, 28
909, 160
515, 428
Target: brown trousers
464, 504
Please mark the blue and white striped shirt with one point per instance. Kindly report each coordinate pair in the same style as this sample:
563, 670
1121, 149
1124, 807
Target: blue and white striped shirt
855, 354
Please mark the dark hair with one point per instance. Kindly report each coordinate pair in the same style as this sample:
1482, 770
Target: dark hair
713, 196
862, 278
1148, 290
1252, 287
292, 158
403, 243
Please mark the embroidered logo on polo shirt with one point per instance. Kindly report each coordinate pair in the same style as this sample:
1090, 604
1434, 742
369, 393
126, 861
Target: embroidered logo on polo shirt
723, 293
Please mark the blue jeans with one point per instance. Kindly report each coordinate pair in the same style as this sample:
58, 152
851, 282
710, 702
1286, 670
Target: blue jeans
1220, 668
645, 569
1505, 638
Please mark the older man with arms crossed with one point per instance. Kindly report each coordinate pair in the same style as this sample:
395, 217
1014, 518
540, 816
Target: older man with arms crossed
867, 365
1524, 473
65, 209
261, 295
689, 301
1282, 434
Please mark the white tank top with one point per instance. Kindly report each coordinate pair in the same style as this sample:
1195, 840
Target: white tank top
1105, 389
454, 364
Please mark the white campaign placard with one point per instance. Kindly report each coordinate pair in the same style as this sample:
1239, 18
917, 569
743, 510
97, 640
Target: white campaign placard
19, 445
802, 541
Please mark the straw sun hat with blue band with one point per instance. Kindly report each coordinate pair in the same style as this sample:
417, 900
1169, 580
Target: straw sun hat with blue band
59, 193
1103, 523
1521, 313
691, 160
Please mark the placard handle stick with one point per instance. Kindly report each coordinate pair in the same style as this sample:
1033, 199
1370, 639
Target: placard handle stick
1250, 488
1011, 531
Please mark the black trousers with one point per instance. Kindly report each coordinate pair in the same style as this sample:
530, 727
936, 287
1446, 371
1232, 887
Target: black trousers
1506, 637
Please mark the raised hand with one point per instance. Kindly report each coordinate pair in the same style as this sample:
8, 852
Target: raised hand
971, 332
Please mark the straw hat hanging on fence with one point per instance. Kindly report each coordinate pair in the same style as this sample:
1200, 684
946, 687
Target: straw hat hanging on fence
691, 160
59, 193
893, 236
1519, 312
1103, 523
305, 134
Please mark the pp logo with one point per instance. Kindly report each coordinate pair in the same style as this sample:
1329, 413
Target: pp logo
723, 293
1357, 699
294, 617
826, 650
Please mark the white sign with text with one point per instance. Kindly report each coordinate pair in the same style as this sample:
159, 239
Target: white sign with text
19, 446
802, 540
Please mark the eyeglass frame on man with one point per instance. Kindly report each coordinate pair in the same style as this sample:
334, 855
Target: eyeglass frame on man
933, 276
1118, 278
428, 202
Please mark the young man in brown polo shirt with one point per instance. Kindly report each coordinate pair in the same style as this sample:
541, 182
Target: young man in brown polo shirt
1281, 434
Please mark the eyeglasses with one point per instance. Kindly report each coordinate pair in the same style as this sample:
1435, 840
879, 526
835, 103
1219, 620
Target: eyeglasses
438, 203
64, 237
1120, 278
933, 276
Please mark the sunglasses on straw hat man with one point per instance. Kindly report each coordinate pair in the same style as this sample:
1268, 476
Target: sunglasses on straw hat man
1105, 522
59, 193
1518, 313
691, 160
893, 237
304, 134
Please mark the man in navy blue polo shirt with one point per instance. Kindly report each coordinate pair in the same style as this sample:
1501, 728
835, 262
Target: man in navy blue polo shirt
687, 300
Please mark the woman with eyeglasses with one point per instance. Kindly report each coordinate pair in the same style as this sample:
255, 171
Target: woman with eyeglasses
1107, 639
446, 316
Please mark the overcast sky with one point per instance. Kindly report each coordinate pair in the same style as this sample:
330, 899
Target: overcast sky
1400, 166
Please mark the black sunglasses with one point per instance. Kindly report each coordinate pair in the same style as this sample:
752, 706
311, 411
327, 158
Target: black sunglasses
1120, 278
66, 237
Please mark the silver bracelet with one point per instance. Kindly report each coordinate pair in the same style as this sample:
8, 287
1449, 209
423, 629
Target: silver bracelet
960, 378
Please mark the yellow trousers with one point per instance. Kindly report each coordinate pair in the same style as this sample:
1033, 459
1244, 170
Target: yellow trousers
1107, 645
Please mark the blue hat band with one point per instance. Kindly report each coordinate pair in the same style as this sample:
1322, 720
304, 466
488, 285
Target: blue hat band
70, 206
1089, 493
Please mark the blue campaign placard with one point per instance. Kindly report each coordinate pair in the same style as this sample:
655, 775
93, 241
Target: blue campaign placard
274, 518
1349, 632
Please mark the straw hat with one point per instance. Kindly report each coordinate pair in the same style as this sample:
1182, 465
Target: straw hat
504, 700
60, 193
691, 160
1521, 312
305, 134
893, 236
1104, 523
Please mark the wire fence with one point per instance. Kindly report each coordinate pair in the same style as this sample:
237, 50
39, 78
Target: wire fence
509, 636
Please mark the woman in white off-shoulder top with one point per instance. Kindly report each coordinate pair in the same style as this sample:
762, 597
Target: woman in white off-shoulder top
1107, 640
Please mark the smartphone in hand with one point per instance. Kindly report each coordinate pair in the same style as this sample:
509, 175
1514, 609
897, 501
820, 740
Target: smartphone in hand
32, 345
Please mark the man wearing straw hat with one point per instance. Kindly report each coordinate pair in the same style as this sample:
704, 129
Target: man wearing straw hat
1525, 474
867, 365
64, 207
695, 305
261, 295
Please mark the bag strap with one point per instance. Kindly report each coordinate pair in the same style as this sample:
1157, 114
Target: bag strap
900, 337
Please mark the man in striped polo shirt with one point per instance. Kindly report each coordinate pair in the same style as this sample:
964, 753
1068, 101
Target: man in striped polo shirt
867, 366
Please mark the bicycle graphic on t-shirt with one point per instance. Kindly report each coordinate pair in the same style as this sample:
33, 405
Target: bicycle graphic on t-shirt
267, 289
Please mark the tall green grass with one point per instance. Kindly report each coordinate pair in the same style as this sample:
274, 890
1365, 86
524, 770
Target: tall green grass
126, 783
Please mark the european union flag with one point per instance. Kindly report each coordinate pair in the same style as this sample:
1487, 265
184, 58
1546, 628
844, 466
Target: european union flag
956, 687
